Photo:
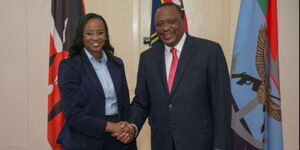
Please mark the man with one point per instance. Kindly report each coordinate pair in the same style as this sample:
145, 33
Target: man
185, 92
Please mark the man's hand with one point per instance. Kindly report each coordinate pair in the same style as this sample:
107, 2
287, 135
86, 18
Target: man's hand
114, 128
123, 131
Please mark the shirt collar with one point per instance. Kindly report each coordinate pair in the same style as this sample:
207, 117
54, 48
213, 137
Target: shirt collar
90, 57
179, 45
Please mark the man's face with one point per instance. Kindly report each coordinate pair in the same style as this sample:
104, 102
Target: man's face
169, 25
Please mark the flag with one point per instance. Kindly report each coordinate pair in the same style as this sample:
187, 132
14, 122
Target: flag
155, 4
256, 109
64, 18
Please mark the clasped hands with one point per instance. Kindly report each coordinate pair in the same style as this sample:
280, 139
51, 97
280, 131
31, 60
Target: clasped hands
122, 131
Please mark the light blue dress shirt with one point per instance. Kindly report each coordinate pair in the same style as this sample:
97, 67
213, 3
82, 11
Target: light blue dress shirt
100, 67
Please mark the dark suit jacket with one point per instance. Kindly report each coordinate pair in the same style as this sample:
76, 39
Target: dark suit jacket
197, 113
83, 101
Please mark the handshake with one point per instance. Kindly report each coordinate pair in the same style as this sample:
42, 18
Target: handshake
122, 131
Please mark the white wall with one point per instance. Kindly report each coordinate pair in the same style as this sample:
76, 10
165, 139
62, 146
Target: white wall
289, 70
24, 49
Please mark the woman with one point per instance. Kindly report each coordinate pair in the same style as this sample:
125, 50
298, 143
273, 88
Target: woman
93, 89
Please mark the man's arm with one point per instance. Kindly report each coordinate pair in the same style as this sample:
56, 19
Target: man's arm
139, 108
219, 84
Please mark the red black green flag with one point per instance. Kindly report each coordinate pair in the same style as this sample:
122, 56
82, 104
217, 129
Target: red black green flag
65, 15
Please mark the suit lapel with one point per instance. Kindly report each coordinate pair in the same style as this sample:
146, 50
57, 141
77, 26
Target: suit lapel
162, 67
184, 60
91, 72
117, 81
115, 76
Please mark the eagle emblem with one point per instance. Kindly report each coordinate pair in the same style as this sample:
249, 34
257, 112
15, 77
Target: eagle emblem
262, 62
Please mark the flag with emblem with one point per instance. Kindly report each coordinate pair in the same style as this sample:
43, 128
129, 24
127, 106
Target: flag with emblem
65, 15
155, 4
256, 109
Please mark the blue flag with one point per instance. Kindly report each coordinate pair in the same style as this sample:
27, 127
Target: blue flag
256, 114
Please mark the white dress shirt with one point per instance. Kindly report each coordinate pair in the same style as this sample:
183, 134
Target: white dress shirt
100, 67
168, 54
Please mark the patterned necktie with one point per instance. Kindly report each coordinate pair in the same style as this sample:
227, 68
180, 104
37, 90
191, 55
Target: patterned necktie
172, 69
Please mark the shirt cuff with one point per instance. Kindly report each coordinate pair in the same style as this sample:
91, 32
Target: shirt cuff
136, 130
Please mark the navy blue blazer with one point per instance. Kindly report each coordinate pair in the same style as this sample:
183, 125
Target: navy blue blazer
83, 101
196, 115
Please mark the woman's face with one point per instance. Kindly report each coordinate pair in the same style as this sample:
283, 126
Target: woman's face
94, 37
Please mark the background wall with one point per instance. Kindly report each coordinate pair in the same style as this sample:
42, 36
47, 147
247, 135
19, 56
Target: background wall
289, 70
24, 48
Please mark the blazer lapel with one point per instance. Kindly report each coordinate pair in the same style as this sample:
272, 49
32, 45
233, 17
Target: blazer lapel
162, 67
91, 72
184, 60
115, 76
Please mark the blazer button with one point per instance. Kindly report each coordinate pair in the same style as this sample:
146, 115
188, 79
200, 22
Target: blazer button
173, 125
170, 106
